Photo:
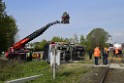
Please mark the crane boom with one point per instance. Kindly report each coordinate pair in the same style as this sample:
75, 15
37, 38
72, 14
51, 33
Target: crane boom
33, 35
20, 44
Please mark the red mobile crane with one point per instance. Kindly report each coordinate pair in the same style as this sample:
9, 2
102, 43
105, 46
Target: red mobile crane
14, 50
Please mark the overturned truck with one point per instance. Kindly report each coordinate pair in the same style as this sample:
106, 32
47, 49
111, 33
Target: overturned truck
66, 51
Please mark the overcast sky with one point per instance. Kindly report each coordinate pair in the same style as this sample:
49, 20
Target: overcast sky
85, 15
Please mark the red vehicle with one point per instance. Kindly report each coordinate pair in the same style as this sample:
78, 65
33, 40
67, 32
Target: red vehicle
18, 48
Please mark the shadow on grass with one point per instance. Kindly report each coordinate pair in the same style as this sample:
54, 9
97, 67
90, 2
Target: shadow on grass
65, 74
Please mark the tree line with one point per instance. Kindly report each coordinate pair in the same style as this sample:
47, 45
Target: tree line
97, 37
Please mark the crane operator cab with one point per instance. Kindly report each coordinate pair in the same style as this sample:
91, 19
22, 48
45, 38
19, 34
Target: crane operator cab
65, 18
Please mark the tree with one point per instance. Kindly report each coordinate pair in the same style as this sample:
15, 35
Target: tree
97, 37
2, 8
66, 40
74, 39
37, 46
8, 28
40, 45
43, 43
82, 40
57, 39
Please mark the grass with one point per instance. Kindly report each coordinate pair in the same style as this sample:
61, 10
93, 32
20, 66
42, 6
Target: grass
14, 70
65, 73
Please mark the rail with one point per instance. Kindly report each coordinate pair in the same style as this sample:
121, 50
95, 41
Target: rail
21, 80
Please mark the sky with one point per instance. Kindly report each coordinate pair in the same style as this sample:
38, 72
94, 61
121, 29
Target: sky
85, 15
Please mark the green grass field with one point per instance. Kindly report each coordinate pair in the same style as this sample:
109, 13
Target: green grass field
65, 73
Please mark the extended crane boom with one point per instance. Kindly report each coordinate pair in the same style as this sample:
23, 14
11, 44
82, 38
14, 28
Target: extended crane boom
33, 35
20, 44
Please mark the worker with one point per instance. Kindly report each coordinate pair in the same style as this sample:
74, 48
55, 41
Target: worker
90, 54
117, 55
96, 55
105, 53
28, 56
116, 52
65, 17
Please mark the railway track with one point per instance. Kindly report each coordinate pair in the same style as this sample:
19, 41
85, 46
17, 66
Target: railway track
114, 76
104, 74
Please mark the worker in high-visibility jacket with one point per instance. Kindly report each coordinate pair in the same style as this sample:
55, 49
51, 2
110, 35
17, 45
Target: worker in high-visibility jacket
96, 55
116, 52
105, 54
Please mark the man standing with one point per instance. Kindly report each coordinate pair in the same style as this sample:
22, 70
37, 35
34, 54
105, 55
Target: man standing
105, 53
116, 52
96, 55
90, 54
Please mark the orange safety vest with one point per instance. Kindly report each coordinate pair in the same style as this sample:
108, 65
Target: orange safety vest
116, 51
96, 52
106, 50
